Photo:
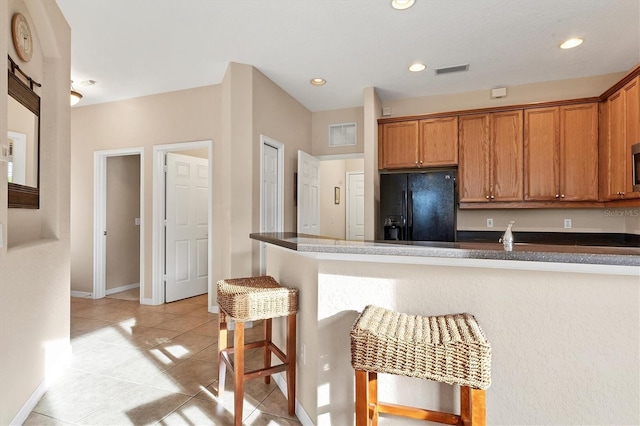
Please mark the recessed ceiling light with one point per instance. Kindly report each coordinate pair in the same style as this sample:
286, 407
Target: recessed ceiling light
402, 4
417, 67
318, 81
88, 82
571, 43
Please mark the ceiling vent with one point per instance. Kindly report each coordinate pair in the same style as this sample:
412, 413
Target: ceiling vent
344, 134
455, 68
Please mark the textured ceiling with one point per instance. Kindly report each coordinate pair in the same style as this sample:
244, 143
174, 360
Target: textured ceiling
141, 47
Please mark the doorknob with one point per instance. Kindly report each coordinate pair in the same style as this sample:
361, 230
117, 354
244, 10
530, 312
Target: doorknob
104, 233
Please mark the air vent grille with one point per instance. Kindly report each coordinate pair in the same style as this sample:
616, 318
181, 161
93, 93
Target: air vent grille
344, 134
455, 68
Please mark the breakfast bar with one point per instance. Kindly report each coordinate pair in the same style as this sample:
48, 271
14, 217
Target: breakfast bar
563, 322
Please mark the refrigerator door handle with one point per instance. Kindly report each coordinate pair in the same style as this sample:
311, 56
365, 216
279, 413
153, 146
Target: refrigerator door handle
410, 216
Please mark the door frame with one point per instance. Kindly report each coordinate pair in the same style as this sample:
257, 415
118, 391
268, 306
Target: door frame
100, 217
158, 210
265, 140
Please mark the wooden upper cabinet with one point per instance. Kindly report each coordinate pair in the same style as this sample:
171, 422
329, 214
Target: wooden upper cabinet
416, 144
473, 171
623, 122
579, 152
398, 146
561, 153
439, 142
491, 157
506, 156
542, 154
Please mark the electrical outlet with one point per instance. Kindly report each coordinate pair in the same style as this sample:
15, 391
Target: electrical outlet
489, 222
567, 223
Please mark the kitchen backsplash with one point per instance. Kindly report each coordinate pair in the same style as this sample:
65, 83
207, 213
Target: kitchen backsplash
619, 220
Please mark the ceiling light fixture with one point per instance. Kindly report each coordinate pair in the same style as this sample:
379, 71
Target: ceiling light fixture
571, 43
402, 4
75, 96
318, 81
417, 67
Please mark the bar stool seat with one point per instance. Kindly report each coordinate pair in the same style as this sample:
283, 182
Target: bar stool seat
448, 349
253, 299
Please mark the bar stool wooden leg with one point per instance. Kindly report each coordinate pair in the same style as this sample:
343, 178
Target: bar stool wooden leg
362, 401
222, 345
291, 363
267, 352
372, 378
238, 369
472, 406
478, 407
465, 405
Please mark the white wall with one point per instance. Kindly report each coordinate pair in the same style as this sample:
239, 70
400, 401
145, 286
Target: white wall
34, 269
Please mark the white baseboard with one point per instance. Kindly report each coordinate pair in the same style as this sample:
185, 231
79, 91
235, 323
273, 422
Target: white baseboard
300, 413
31, 403
122, 288
83, 294
58, 358
214, 309
147, 302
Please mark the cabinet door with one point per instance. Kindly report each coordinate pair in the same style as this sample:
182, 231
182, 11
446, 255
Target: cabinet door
474, 158
400, 145
506, 156
541, 154
632, 132
579, 152
616, 167
439, 142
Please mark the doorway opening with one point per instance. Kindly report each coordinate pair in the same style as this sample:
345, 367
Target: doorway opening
336, 198
159, 241
101, 207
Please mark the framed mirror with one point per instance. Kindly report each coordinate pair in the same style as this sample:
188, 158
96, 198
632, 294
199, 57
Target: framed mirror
23, 137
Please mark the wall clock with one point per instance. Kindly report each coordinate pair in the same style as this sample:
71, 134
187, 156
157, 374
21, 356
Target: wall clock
22, 37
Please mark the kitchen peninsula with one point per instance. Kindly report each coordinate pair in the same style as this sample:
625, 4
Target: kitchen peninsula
563, 322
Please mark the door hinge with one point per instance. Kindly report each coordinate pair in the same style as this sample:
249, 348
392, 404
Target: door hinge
165, 168
164, 277
164, 222
104, 233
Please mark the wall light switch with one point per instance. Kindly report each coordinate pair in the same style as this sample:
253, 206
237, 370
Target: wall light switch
1, 237
137, 221
489, 222
567, 223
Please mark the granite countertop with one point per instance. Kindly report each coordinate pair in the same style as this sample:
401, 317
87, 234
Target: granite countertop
595, 255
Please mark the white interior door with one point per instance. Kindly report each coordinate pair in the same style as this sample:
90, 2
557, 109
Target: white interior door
186, 227
271, 200
308, 194
355, 206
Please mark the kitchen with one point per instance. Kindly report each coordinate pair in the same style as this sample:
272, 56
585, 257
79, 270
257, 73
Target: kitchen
547, 306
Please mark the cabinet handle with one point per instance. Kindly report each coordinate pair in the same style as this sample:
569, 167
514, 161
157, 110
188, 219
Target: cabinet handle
420, 161
492, 197
562, 196
487, 197
621, 194
557, 195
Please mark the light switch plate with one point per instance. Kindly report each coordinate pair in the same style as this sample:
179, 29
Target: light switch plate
1, 237
567, 223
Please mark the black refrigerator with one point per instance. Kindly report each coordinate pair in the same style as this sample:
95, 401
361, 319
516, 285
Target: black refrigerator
418, 206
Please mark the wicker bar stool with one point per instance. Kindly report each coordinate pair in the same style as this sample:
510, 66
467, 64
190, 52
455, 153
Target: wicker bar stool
449, 349
252, 299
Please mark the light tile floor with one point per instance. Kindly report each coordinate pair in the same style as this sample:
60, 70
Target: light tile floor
151, 365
